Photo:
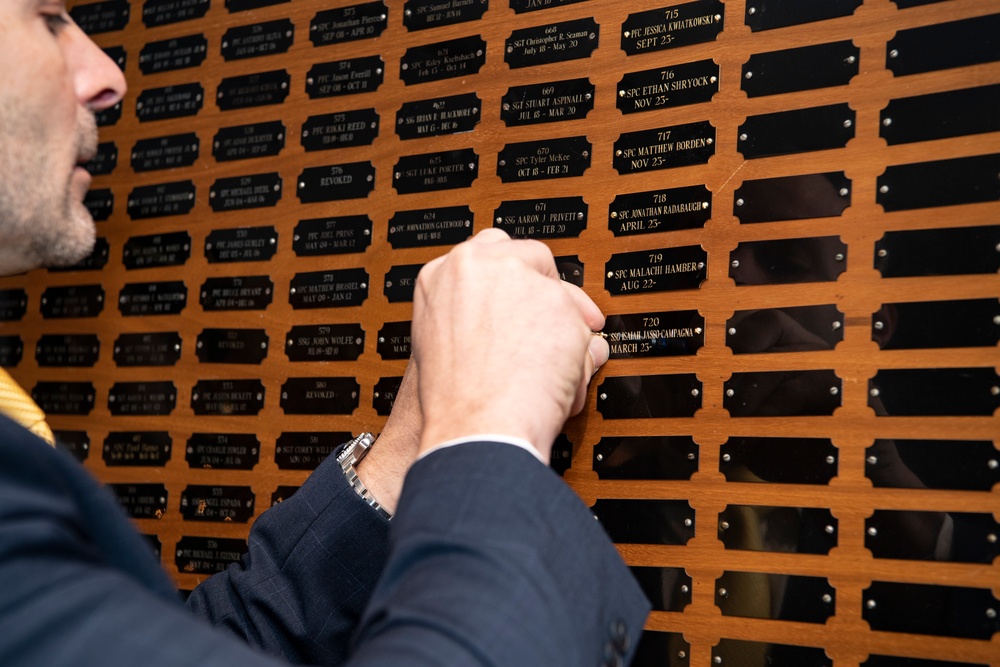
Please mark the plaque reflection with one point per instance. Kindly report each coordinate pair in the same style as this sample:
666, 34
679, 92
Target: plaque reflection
966, 465
668, 588
763, 654
775, 596
634, 521
804, 530
798, 329
955, 537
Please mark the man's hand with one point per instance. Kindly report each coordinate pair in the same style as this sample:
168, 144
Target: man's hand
502, 344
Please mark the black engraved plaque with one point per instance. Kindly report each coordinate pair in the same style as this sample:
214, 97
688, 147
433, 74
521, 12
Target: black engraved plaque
640, 397
522, 6
400, 281
557, 218
803, 530
100, 203
918, 392
340, 130
782, 393
142, 501
941, 115
305, 450
253, 90
936, 324
147, 349
142, 398
258, 39
955, 537
930, 609
173, 54
543, 160
137, 448
223, 451
67, 350
109, 116
771, 14
64, 398
11, 351
938, 252
336, 182
430, 227
664, 147
244, 244
667, 588
961, 465
345, 77
348, 24
659, 270
944, 46
242, 142
962, 180
793, 329
217, 503
320, 396
165, 199
170, 102
660, 334
672, 27
325, 342
394, 341
804, 68
242, 293
778, 460
328, 289
730, 651
13, 304
242, 192
72, 301
667, 87
95, 261
438, 116
232, 346
798, 131
76, 443
788, 261
423, 14
97, 17
792, 197
384, 396
549, 102
636, 521
443, 60
227, 397
332, 236
665, 210
105, 159
552, 43
118, 54
208, 555
570, 269
162, 12
429, 172
163, 298
143, 252
177, 150
800, 599
649, 457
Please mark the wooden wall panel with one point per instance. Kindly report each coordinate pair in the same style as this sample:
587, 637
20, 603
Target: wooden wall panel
859, 291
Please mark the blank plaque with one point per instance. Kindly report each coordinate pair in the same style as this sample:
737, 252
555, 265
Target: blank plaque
770, 14
962, 465
646, 457
803, 530
953, 113
793, 329
634, 521
778, 460
798, 131
937, 324
804, 68
782, 597
938, 252
667, 588
649, 396
944, 46
782, 393
738, 651
788, 261
929, 609
939, 392
955, 537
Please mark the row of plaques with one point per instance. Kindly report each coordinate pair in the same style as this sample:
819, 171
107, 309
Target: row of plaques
895, 326
891, 392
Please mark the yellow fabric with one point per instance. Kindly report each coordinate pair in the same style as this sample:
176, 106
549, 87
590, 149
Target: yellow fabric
16, 404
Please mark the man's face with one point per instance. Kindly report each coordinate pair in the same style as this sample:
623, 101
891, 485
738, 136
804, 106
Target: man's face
52, 80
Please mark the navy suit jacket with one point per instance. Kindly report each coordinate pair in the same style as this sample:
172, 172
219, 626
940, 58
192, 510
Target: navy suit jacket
492, 560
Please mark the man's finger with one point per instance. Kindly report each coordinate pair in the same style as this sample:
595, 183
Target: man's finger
592, 315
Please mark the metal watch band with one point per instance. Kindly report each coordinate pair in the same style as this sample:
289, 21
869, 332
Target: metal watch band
352, 454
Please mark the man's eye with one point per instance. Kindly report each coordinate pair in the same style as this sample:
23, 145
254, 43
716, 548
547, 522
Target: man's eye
55, 22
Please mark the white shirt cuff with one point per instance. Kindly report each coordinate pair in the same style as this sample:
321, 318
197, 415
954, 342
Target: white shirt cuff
490, 437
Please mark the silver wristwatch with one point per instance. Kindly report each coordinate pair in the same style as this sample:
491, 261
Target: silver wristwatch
349, 458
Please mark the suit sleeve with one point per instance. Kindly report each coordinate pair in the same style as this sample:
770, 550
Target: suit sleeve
495, 561
310, 570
